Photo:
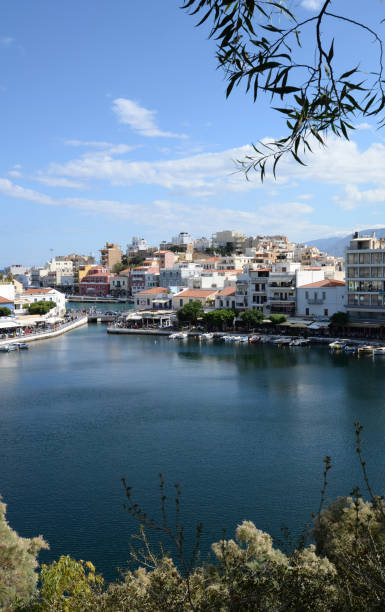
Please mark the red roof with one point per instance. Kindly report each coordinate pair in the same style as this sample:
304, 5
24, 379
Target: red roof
152, 291
5, 300
226, 292
41, 290
197, 293
327, 282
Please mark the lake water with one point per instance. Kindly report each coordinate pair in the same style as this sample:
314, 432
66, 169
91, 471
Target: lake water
243, 429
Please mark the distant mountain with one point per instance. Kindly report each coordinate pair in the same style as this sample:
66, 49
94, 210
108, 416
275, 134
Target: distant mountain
336, 246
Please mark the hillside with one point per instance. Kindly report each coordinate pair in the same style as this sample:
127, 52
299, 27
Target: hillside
336, 245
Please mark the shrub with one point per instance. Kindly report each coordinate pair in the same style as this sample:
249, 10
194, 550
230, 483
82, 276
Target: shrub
41, 307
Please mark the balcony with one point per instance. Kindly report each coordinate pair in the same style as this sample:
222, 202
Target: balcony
315, 301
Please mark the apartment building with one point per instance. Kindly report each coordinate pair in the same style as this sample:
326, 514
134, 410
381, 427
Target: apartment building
111, 254
365, 274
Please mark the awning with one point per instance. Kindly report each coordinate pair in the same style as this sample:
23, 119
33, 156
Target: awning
134, 318
8, 324
53, 319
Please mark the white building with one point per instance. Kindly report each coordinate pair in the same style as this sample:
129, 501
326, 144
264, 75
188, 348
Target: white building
29, 296
284, 279
222, 239
182, 238
213, 279
225, 299
200, 244
150, 299
322, 298
137, 244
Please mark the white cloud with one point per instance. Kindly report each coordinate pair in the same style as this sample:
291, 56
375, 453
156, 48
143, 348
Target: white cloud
311, 5
14, 173
106, 148
164, 215
353, 197
6, 41
56, 181
140, 119
201, 175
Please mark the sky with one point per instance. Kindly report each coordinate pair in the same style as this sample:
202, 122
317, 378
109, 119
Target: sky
114, 123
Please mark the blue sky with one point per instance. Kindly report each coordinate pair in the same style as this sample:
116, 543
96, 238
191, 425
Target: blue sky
115, 123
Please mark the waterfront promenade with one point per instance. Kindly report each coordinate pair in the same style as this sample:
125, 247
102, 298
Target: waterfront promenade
45, 335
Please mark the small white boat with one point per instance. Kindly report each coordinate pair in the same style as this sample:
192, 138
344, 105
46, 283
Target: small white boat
178, 336
349, 348
338, 345
243, 338
299, 342
207, 336
379, 350
367, 349
254, 339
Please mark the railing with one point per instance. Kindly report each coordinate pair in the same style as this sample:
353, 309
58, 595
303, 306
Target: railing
315, 301
366, 307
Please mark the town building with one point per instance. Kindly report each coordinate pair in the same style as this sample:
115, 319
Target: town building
111, 254
166, 259
7, 303
251, 289
322, 298
205, 296
365, 274
283, 281
96, 283
179, 274
229, 238
43, 294
152, 299
144, 276
225, 298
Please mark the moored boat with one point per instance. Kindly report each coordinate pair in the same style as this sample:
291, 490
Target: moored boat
337, 345
367, 349
254, 339
379, 350
178, 336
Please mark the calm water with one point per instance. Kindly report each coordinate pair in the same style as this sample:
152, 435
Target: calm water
244, 430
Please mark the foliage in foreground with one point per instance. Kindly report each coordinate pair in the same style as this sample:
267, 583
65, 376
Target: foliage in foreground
5, 312
270, 48
342, 570
17, 565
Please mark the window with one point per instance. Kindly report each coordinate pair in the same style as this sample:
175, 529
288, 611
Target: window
307, 312
326, 312
364, 258
315, 295
307, 295
181, 303
324, 295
